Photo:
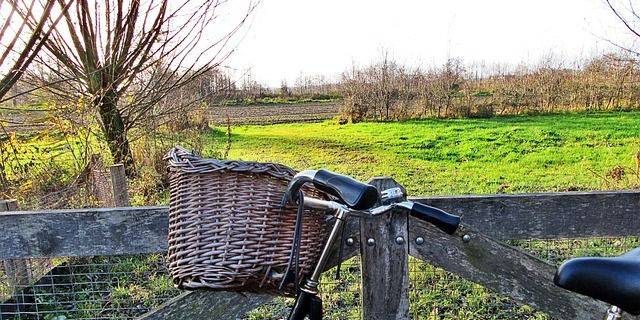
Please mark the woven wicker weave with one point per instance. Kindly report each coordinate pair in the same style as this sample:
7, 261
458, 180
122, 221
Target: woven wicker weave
226, 228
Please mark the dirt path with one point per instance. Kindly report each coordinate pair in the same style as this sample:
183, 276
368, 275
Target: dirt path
255, 114
269, 114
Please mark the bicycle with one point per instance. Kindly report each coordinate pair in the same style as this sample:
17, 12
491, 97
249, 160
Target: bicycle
612, 280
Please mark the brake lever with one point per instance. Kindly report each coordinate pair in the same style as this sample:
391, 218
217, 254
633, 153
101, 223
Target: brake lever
392, 195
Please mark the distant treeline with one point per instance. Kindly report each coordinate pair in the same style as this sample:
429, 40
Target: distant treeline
387, 91
218, 88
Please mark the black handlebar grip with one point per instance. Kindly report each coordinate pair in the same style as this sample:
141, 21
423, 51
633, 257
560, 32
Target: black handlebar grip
355, 194
444, 221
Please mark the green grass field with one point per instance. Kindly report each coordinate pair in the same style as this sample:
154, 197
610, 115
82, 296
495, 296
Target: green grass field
505, 154
460, 156
581, 151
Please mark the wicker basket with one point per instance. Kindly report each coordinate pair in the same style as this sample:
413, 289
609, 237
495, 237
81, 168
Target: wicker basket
227, 230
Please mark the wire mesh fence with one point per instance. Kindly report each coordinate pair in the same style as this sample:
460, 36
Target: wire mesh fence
126, 287
121, 287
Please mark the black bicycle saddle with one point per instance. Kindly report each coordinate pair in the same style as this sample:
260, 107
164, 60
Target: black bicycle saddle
613, 280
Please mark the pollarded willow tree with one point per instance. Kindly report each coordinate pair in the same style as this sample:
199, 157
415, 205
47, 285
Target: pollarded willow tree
22, 39
122, 57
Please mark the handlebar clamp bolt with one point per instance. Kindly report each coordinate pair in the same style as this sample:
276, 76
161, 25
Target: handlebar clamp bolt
399, 240
371, 242
466, 238
350, 242
419, 240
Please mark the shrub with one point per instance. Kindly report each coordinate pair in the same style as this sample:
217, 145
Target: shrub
388, 91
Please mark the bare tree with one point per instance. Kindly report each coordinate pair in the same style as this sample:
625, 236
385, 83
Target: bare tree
123, 57
627, 14
18, 46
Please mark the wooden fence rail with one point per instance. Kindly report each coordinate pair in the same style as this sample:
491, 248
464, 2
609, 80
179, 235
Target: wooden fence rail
16, 271
547, 215
483, 259
133, 230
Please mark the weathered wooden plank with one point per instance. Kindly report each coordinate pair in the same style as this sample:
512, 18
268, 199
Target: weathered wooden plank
342, 250
16, 271
119, 185
107, 231
208, 305
547, 215
385, 263
501, 268
86, 232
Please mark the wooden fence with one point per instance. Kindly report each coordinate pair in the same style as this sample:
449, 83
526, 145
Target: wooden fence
476, 252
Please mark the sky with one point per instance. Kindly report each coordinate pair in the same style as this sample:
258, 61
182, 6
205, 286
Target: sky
287, 38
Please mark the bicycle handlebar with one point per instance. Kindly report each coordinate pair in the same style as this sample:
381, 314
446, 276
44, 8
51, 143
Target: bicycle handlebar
355, 194
360, 198
443, 220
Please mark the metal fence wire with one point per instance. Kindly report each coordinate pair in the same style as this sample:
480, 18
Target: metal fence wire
126, 287
117, 287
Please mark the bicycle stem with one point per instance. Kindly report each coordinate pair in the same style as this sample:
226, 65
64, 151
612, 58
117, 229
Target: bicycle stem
311, 284
307, 301
341, 214
355, 198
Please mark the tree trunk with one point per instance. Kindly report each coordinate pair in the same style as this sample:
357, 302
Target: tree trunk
114, 130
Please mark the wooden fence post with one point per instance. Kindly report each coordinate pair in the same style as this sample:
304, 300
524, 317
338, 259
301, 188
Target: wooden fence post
17, 271
99, 179
120, 185
385, 265
9, 205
